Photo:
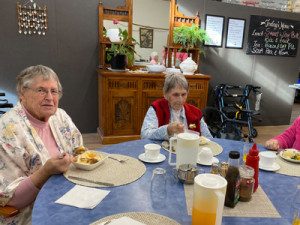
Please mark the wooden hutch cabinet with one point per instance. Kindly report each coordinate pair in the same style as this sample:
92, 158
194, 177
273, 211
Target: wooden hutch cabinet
125, 97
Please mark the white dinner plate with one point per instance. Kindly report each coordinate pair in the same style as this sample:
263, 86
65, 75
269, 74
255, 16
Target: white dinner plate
274, 167
215, 160
290, 160
159, 159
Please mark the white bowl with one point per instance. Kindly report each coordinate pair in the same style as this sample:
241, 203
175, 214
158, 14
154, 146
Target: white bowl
156, 68
91, 166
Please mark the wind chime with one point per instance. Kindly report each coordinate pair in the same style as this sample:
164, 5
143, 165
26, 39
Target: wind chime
32, 19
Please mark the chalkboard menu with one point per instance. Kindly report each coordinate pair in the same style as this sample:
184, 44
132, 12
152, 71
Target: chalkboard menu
273, 36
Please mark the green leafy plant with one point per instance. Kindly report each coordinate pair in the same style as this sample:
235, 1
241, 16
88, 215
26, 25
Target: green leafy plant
190, 37
124, 47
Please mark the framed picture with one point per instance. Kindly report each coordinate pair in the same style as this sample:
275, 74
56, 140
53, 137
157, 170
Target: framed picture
146, 38
235, 33
214, 26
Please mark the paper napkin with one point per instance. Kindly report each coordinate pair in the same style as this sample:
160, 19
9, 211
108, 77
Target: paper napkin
125, 220
83, 197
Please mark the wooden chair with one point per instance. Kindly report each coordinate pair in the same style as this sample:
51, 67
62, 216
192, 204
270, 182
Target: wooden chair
8, 211
121, 13
177, 19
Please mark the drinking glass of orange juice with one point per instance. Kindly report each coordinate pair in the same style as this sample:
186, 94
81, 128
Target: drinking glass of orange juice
209, 197
246, 148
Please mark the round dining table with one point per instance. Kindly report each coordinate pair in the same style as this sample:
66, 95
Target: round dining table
136, 197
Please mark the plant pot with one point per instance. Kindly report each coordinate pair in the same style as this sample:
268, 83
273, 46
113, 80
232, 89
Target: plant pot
118, 62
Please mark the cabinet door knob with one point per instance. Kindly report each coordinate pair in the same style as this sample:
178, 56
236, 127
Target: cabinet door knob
123, 84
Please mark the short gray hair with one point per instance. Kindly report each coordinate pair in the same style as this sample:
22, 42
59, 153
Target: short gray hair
175, 80
153, 54
25, 77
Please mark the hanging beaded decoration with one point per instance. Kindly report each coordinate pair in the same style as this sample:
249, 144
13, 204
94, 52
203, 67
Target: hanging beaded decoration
32, 19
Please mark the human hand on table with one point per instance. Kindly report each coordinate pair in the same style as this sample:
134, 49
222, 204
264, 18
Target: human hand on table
175, 128
272, 144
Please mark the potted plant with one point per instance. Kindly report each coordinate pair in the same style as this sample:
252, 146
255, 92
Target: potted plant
118, 53
190, 37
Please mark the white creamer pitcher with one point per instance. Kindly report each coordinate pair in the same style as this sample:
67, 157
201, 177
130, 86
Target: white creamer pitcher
209, 197
186, 150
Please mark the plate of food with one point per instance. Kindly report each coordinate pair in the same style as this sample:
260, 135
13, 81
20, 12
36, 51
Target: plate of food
89, 160
291, 155
203, 140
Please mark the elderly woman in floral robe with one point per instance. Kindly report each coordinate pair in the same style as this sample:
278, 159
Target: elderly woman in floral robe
37, 140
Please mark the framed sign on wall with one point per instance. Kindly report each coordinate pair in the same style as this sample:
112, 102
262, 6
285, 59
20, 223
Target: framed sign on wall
235, 33
214, 26
146, 38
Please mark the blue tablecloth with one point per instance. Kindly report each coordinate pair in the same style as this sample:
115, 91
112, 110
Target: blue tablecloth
135, 197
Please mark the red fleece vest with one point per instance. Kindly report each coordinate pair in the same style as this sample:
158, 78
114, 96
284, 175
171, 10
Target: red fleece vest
192, 113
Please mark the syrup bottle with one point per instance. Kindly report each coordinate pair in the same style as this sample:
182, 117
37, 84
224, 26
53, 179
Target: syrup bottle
233, 179
253, 161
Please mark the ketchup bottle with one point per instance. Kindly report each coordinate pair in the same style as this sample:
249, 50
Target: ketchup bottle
253, 161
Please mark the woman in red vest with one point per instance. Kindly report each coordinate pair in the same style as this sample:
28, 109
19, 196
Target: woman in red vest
171, 115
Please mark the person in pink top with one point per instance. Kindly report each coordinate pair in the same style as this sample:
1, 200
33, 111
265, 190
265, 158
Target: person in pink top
37, 140
289, 139
154, 58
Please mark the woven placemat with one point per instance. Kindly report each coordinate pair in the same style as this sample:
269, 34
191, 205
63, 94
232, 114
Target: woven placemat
288, 168
110, 171
143, 217
215, 147
259, 206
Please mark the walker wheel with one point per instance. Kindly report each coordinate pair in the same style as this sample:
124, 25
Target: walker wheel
254, 132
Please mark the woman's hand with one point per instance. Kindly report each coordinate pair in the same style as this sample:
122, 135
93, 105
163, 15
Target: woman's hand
272, 144
52, 166
175, 128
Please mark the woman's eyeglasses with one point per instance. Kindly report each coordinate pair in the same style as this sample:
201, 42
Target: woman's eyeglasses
43, 92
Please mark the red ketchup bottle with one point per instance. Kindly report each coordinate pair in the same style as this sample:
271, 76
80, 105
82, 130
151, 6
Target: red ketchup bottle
253, 161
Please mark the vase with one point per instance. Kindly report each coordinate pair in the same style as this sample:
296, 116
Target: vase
118, 62
188, 66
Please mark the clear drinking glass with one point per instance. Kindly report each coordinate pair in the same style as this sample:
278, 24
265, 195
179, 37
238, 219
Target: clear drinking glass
158, 188
296, 208
246, 148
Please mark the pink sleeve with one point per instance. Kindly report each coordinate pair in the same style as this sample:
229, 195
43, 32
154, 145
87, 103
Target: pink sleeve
287, 139
25, 194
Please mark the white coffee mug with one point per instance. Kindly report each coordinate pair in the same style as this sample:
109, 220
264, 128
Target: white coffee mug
205, 155
267, 158
152, 151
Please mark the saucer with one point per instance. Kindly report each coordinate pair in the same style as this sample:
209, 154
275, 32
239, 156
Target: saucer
274, 167
159, 159
215, 160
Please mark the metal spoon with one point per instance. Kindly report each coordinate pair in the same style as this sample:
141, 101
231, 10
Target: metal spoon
119, 160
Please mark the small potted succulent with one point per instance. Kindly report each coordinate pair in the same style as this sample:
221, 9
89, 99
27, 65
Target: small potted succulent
190, 37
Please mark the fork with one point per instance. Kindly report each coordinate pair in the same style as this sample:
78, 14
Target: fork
119, 160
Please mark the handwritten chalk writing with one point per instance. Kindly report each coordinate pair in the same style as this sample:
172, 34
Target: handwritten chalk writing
271, 33
291, 46
294, 35
283, 52
257, 50
254, 33
273, 36
271, 24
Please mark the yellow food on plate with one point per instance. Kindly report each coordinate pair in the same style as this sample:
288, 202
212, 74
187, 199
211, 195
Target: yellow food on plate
203, 139
290, 154
80, 150
88, 158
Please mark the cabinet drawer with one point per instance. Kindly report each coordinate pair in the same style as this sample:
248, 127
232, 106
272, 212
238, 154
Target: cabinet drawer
198, 86
153, 84
122, 84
